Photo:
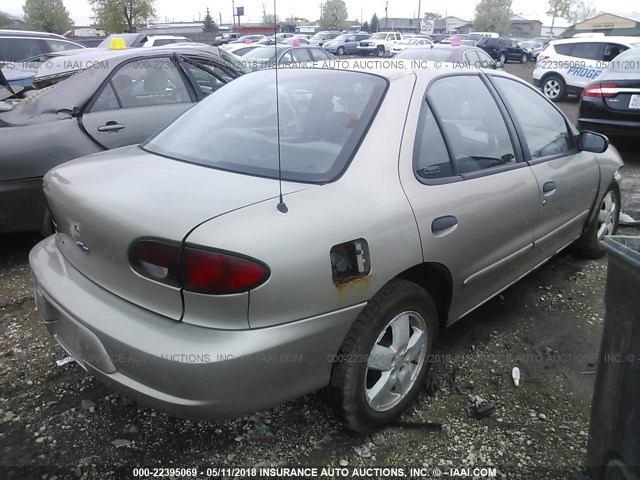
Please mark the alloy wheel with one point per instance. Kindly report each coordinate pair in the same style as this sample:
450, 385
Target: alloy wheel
396, 360
551, 88
607, 215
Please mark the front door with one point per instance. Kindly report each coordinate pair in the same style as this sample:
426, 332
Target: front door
475, 200
567, 178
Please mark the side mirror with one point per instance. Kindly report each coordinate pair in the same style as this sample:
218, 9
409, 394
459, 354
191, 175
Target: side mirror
592, 142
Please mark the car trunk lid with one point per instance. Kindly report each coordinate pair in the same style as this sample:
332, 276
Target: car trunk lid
103, 203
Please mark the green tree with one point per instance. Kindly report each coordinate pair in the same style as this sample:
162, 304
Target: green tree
375, 23
558, 8
431, 16
6, 20
208, 25
334, 15
365, 26
581, 11
46, 16
269, 19
117, 16
493, 16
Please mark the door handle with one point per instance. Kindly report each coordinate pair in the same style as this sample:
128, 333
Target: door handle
110, 127
441, 224
549, 188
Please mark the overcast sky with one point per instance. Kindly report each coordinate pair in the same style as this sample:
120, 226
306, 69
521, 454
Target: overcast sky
188, 10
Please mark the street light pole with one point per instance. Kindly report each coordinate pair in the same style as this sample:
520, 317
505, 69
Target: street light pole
386, 15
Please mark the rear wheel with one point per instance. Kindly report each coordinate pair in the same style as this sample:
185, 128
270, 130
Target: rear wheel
502, 58
384, 359
340, 51
605, 223
524, 58
554, 88
380, 51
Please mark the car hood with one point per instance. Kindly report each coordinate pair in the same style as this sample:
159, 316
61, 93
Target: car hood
104, 202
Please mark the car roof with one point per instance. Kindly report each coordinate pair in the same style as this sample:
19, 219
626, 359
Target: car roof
29, 33
60, 64
607, 38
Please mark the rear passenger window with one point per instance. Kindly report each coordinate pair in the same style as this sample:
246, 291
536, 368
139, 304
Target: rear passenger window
16, 49
318, 55
61, 46
430, 155
545, 129
106, 100
589, 51
472, 123
566, 49
612, 50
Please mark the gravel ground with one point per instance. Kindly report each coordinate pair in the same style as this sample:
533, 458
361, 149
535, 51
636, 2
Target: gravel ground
549, 325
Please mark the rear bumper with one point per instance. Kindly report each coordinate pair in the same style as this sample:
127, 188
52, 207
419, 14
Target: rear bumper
185, 370
613, 128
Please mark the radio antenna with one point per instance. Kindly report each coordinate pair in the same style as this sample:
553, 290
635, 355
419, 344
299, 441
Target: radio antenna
282, 207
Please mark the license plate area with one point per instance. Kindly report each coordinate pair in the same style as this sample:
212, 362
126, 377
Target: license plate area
634, 102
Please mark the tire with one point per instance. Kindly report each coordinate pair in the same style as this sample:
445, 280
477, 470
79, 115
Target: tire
524, 58
380, 51
340, 51
604, 223
502, 59
554, 88
354, 381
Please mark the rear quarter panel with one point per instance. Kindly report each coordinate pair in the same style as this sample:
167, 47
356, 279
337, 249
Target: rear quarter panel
367, 202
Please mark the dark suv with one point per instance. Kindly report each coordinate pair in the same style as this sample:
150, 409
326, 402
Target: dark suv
503, 50
16, 45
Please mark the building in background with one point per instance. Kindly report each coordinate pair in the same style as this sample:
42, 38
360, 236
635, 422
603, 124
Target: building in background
402, 25
451, 25
608, 24
522, 27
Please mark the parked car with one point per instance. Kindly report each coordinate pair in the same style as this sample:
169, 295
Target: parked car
438, 37
85, 109
345, 44
17, 45
226, 38
533, 49
567, 66
379, 43
409, 43
321, 37
239, 49
175, 264
246, 38
611, 103
503, 50
89, 42
463, 54
136, 40
265, 57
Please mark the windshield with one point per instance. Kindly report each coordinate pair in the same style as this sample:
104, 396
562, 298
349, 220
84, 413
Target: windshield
341, 38
408, 41
428, 53
323, 116
378, 36
526, 44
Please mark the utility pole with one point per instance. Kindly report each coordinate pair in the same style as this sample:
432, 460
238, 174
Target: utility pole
220, 14
419, 17
264, 13
321, 5
386, 15
233, 13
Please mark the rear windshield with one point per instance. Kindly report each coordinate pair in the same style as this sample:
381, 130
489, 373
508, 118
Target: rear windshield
323, 116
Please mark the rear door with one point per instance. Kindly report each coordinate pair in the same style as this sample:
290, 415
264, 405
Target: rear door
140, 98
474, 199
567, 178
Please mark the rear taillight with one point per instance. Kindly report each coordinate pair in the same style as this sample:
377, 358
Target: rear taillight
194, 269
156, 260
601, 90
220, 273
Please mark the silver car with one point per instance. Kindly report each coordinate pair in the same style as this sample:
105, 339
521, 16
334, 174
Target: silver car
185, 274
91, 100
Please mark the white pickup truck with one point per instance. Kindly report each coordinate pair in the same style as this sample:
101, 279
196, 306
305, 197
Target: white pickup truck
379, 43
